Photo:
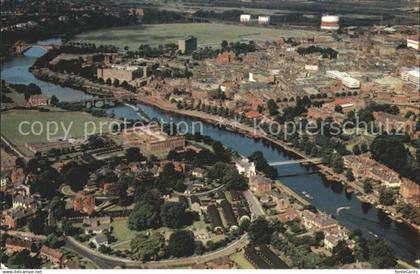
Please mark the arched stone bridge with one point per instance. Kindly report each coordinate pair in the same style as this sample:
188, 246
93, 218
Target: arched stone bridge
20, 48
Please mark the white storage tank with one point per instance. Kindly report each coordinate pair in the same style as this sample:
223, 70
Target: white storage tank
245, 18
330, 22
264, 20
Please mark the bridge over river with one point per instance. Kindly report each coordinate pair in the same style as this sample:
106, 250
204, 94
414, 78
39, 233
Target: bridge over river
315, 161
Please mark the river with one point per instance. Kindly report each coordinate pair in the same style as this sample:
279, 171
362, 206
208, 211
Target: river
327, 196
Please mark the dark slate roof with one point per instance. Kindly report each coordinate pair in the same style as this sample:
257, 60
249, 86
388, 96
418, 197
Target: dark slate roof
242, 212
252, 256
234, 195
215, 220
228, 213
272, 259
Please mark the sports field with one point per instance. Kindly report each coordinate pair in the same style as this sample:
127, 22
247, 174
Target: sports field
74, 123
208, 34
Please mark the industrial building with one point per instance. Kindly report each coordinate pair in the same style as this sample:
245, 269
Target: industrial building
187, 45
411, 75
346, 80
120, 72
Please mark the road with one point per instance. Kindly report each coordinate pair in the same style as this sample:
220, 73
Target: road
254, 204
106, 261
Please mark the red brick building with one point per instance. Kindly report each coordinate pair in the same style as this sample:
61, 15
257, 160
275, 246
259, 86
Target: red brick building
53, 255
17, 245
410, 191
259, 184
84, 203
225, 57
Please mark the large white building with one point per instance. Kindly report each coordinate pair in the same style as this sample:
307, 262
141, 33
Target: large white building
345, 78
411, 75
245, 167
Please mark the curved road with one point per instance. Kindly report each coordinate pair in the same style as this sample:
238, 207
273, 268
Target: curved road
106, 261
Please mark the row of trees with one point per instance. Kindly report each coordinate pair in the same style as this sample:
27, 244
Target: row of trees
325, 52
152, 247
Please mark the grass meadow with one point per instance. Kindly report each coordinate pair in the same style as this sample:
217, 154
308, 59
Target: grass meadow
208, 34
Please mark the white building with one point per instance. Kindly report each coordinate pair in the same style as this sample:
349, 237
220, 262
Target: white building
411, 75
311, 67
413, 42
264, 20
345, 79
245, 18
245, 167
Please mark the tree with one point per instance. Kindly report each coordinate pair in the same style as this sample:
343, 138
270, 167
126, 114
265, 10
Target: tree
272, 107
262, 165
47, 183
173, 156
220, 152
116, 83
144, 216
381, 254
367, 186
133, 154
337, 163
37, 223
349, 175
173, 214
319, 236
260, 231
386, 196
338, 108
148, 248
233, 180
342, 253
54, 100
181, 243
23, 259
364, 148
57, 208
76, 175
390, 151
120, 188
356, 150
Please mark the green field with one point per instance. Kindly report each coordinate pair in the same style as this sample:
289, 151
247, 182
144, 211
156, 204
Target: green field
241, 261
208, 34
121, 230
74, 121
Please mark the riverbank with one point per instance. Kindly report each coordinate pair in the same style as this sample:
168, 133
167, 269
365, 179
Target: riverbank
326, 171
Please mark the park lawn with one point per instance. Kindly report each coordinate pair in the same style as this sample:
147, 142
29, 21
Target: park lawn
121, 231
241, 261
208, 34
17, 98
76, 121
